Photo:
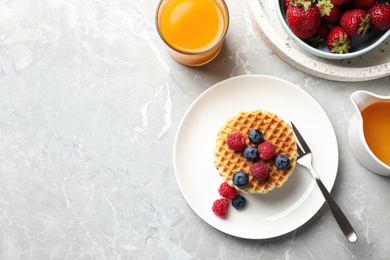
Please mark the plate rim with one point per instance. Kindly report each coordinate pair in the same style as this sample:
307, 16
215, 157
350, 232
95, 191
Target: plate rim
320, 201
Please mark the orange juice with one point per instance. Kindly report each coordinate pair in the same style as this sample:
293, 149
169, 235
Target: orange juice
376, 126
193, 27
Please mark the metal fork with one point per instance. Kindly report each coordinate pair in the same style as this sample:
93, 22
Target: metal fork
305, 159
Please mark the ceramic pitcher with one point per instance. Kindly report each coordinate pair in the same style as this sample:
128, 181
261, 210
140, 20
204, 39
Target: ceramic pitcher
361, 100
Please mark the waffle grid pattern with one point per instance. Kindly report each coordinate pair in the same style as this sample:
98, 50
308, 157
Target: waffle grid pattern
274, 130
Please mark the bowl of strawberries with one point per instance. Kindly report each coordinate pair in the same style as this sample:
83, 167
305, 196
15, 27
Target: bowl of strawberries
335, 29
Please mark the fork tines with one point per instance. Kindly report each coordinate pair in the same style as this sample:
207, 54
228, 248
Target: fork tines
302, 146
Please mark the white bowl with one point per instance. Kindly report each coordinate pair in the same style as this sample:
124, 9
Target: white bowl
360, 45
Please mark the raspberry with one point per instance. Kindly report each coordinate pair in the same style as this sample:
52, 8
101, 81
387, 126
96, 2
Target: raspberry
236, 141
220, 207
259, 171
227, 191
266, 151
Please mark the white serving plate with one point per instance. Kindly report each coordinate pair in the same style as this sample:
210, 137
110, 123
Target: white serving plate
282, 210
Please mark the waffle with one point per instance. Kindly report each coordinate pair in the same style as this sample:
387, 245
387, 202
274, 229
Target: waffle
275, 130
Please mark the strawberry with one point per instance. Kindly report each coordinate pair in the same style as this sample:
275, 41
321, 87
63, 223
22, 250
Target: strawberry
334, 16
303, 18
361, 4
287, 3
380, 17
330, 13
338, 41
319, 36
340, 2
355, 22
322, 31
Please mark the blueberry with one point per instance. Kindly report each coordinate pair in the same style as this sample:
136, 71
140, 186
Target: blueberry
282, 161
239, 202
256, 136
240, 179
251, 153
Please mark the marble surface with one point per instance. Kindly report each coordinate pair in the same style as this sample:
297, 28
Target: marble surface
90, 102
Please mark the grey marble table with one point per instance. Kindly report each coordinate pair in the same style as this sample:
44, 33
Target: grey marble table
90, 102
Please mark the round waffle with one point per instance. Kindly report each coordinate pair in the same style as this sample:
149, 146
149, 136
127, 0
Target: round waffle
275, 130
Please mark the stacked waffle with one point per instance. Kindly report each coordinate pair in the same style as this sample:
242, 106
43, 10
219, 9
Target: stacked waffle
274, 130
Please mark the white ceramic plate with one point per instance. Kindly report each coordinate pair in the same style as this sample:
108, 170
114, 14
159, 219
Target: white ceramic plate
281, 210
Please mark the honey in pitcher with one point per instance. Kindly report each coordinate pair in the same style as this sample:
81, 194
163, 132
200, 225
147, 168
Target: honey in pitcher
376, 126
193, 25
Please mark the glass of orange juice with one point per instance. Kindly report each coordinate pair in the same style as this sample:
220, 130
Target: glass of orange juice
194, 30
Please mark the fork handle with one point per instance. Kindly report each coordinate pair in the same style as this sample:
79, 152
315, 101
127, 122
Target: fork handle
338, 214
